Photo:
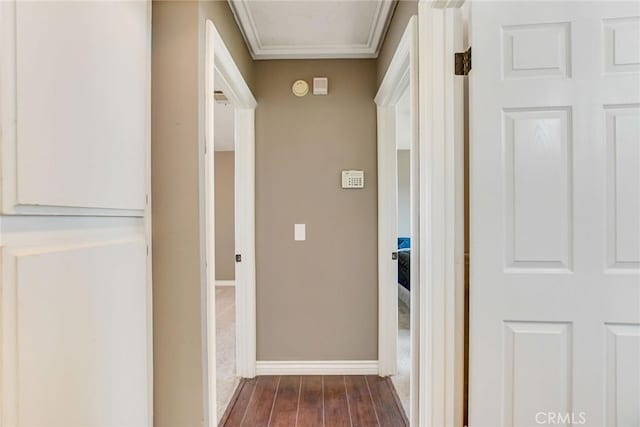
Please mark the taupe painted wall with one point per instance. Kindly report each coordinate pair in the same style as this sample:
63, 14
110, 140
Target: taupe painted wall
177, 124
224, 211
177, 332
403, 12
404, 193
317, 299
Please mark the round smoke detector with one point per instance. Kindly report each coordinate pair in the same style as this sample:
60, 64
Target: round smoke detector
300, 88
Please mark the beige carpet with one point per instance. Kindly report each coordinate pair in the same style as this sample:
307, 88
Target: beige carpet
401, 381
226, 380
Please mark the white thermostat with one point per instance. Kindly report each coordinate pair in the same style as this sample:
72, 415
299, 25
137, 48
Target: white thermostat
352, 179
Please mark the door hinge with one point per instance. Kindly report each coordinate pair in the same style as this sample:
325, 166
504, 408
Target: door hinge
238, 258
463, 63
394, 255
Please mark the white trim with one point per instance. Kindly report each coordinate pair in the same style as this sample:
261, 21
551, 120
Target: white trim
259, 50
219, 63
245, 233
225, 283
401, 75
387, 242
442, 215
148, 222
317, 367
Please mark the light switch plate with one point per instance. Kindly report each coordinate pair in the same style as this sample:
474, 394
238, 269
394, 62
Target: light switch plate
300, 232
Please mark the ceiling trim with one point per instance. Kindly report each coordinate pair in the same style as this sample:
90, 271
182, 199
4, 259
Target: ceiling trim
258, 50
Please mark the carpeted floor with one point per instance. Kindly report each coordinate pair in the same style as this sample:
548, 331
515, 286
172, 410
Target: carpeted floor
401, 381
226, 380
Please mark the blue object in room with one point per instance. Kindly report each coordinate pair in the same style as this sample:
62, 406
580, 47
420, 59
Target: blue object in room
404, 242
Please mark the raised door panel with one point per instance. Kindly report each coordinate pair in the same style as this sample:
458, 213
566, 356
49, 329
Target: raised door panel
538, 188
74, 327
623, 186
538, 365
622, 375
536, 50
622, 44
75, 78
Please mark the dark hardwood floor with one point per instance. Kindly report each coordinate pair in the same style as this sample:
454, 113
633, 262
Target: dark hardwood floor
315, 401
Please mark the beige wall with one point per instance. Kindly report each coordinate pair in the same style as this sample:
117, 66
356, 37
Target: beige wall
177, 124
177, 332
404, 193
224, 211
317, 299
403, 12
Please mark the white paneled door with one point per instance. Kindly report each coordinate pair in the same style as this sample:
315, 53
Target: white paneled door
555, 214
75, 288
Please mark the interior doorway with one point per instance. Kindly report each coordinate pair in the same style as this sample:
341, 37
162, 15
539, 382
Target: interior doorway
402, 379
224, 199
229, 229
398, 231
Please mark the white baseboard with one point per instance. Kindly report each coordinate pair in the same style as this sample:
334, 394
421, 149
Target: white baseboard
317, 367
225, 282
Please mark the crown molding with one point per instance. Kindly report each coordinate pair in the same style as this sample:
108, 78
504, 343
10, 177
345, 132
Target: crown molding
242, 12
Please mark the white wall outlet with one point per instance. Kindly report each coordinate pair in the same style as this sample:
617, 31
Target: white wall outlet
300, 232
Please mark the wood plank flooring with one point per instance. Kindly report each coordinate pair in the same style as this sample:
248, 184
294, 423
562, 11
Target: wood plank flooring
315, 401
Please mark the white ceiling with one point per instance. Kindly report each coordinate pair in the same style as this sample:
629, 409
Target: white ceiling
297, 29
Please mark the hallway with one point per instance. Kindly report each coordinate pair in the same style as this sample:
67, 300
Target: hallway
309, 401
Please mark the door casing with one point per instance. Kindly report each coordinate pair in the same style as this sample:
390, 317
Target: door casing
441, 221
218, 61
401, 76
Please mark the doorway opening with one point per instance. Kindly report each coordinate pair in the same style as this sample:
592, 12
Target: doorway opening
224, 210
402, 379
228, 200
398, 225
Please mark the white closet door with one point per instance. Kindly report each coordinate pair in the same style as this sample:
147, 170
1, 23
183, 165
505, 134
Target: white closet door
75, 306
75, 95
555, 214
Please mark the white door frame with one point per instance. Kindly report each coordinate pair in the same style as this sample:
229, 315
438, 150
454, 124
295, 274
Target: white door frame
401, 75
442, 215
218, 61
